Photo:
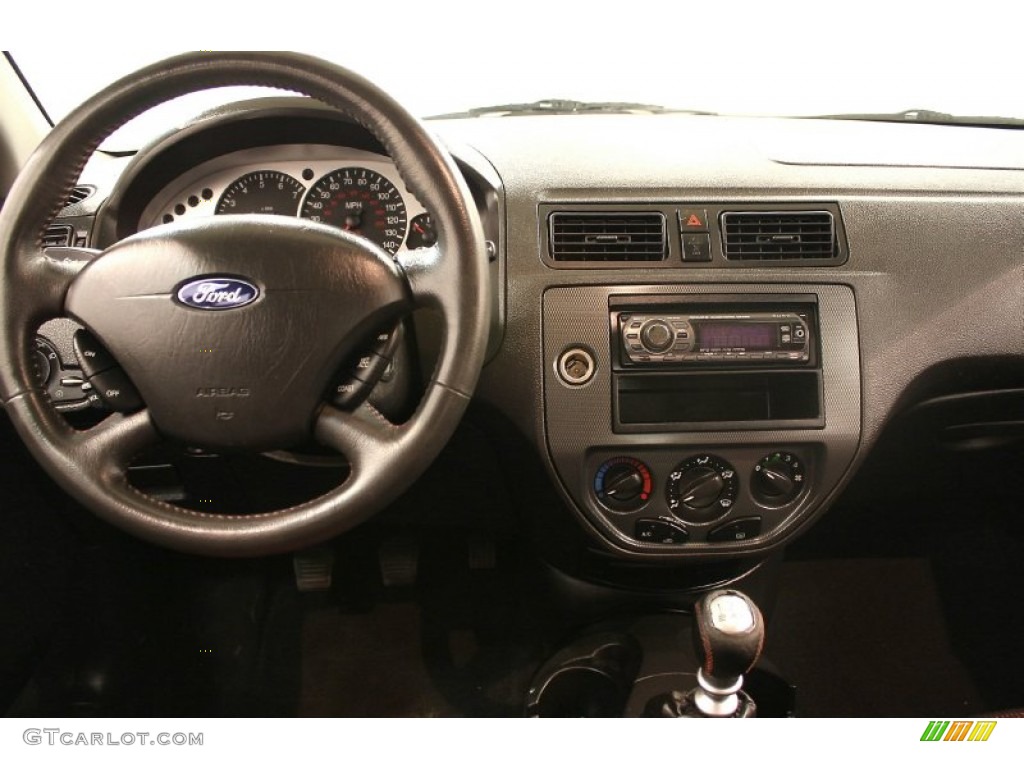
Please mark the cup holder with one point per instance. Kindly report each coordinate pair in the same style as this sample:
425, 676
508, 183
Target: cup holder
592, 677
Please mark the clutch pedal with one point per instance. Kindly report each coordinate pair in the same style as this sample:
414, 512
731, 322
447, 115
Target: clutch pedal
314, 570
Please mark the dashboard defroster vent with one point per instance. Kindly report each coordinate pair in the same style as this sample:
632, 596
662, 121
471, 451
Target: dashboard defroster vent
58, 236
768, 235
607, 236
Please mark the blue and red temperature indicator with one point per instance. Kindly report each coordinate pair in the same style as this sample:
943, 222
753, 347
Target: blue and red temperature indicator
623, 484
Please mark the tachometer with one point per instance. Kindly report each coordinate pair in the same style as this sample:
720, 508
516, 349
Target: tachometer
262, 192
360, 201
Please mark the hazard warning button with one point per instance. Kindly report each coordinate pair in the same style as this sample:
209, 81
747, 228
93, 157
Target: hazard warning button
693, 220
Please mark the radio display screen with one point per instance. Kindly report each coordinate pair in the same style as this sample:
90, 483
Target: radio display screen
748, 336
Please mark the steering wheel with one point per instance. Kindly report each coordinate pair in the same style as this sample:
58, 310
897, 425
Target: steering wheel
291, 301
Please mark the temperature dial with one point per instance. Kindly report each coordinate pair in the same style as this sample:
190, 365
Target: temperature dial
421, 232
778, 478
702, 489
623, 484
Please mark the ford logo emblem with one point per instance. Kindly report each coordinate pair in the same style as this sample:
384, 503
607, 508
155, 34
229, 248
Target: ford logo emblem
217, 293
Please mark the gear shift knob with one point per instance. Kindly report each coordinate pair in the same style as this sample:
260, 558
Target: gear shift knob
729, 638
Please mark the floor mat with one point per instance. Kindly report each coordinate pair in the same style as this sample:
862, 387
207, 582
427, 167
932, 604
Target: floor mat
462, 642
868, 637
367, 665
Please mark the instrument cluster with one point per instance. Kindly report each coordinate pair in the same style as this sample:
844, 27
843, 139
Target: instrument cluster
351, 189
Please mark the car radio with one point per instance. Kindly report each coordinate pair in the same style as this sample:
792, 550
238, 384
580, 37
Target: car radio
655, 337
716, 361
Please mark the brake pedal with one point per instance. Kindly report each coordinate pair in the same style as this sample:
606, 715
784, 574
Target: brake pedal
314, 570
399, 562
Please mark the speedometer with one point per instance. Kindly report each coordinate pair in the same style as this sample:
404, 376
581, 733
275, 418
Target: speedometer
361, 201
262, 192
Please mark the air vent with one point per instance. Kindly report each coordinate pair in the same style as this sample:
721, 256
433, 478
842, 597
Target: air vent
78, 194
58, 236
764, 235
607, 236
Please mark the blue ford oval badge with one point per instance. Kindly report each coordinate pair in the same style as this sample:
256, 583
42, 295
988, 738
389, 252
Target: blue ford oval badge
217, 293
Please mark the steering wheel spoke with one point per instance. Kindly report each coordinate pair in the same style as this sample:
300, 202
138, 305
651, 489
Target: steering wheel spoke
361, 436
429, 275
115, 441
46, 275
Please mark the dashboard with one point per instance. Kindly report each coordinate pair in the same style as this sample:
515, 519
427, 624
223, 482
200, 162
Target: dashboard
701, 325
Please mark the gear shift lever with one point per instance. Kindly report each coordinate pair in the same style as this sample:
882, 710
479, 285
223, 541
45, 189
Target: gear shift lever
729, 638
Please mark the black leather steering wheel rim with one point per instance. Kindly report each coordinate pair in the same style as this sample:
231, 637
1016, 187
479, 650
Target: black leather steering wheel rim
384, 458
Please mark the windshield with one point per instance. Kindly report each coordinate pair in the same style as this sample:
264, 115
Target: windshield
791, 59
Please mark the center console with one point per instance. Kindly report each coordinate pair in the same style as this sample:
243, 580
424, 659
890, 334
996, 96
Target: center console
696, 421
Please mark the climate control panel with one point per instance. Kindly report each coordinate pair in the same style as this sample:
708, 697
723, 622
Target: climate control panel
665, 498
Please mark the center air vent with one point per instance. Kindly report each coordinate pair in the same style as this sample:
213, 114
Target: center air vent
765, 235
607, 236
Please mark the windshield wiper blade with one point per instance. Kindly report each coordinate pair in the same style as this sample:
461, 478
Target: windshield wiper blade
929, 117
566, 107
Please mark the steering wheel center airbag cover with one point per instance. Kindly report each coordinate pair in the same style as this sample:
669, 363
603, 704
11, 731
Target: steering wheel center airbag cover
291, 300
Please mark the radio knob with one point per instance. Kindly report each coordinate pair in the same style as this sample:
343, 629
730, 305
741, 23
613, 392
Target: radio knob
657, 336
